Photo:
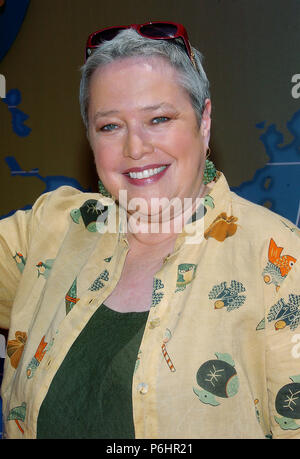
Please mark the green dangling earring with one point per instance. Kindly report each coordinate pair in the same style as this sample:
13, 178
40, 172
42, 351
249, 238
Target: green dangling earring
210, 172
103, 190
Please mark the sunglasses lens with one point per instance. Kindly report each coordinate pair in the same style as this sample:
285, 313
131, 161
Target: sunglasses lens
156, 30
159, 30
105, 35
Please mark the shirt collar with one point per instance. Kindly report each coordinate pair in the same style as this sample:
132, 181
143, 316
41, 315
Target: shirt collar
212, 204
210, 207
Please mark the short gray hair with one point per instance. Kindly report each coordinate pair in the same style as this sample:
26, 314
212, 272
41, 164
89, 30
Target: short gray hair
129, 43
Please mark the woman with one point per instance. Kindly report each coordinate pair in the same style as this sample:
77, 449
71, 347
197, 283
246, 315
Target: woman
121, 328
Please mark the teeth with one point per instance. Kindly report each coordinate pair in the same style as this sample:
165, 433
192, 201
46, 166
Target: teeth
146, 173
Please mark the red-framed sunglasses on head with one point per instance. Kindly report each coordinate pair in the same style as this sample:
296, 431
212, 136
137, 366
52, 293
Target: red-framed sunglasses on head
154, 30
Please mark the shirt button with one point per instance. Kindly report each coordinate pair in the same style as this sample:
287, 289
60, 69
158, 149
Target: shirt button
154, 323
143, 388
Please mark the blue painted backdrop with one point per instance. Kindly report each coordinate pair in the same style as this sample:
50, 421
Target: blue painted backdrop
277, 184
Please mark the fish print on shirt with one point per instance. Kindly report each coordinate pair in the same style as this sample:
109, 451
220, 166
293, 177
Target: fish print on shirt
40, 353
278, 265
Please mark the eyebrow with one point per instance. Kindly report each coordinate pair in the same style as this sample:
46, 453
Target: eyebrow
147, 108
158, 106
100, 114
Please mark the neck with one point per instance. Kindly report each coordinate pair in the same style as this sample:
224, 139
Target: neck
160, 229
152, 241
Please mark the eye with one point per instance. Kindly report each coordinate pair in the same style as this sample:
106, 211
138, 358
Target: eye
160, 119
108, 127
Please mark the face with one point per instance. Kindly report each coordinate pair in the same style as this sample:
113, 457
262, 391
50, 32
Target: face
144, 132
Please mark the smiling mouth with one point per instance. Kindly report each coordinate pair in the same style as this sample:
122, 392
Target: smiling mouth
146, 173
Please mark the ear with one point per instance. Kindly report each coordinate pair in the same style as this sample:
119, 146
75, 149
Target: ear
206, 120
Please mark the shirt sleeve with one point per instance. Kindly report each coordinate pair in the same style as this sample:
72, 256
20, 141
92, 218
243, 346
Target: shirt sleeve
15, 233
283, 357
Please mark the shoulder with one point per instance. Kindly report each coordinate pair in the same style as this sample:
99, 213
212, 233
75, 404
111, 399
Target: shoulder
63, 199
54, 211
60, 202
51, 211
260, 225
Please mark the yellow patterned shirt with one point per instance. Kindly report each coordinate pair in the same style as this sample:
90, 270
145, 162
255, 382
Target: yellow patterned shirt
220, 354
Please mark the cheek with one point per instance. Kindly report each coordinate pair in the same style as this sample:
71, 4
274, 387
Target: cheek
103, 162
187, 148
108, 168
105, 155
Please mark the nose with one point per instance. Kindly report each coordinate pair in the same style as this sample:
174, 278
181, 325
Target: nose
137, 143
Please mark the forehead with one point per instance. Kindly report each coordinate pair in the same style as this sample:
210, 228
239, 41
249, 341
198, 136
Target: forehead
136, 79
141, 64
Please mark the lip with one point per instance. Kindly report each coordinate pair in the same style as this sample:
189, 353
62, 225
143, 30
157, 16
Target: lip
146, 180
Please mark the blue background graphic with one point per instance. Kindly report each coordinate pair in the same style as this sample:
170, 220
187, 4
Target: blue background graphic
11, 20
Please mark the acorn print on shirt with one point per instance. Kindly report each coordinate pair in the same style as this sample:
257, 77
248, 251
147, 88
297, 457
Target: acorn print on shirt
228, 297
285, 314
97, 284
278, 265
157, 296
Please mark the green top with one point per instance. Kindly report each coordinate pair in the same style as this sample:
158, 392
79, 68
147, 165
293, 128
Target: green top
90, 395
